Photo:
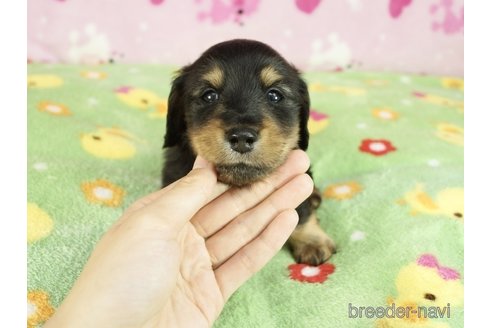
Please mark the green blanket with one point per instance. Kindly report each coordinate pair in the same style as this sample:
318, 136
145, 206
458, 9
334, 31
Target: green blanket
386, 152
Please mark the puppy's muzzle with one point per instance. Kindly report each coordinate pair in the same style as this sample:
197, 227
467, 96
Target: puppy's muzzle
242, 140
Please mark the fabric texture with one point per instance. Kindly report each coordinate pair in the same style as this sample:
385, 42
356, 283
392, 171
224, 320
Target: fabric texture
395, 35
386, 152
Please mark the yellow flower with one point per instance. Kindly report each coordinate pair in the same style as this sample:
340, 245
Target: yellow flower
39, 223
39, 308
103, 192
41, 81
453, 83
93, 75
54, 108
385, 114
341, 191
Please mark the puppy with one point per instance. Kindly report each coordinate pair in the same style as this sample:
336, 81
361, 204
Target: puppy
243, 107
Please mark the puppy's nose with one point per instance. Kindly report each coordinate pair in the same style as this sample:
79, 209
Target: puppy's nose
242, 140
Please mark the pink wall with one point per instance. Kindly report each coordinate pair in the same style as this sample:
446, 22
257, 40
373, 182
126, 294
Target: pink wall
421, 36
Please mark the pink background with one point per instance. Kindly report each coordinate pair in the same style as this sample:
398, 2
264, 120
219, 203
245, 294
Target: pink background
419, 36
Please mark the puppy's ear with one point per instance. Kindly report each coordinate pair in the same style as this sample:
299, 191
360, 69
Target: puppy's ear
303, 116
176, 124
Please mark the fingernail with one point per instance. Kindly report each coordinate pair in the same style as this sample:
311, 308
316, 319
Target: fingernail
200, 163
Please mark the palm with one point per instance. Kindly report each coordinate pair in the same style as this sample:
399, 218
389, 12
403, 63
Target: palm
196, 290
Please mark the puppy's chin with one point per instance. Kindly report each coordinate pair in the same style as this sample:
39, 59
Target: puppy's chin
241, 174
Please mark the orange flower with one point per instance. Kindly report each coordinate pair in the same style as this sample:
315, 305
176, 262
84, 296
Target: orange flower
103, 192
53, 108
385, 114
341, 191
39, 308
93, 75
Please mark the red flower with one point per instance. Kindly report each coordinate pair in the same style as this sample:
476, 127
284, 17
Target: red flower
376, 147
311, 274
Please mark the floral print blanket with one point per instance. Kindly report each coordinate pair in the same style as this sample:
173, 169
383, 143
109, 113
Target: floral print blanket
386, 152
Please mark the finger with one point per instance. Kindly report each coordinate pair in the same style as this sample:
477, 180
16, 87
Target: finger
235, 201
220, 187
181, 200
200, 162
250, 224
252, 257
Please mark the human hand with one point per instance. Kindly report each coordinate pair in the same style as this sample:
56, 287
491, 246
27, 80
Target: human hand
176, 256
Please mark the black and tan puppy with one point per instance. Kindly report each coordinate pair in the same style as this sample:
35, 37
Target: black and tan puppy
243, 107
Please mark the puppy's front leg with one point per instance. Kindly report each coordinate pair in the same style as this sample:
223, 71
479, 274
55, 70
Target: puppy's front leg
309, 243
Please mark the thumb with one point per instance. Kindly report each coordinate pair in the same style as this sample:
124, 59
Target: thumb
201, 163
187, 195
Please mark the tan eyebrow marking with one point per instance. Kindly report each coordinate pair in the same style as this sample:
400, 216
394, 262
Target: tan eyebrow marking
215, 77
269, 76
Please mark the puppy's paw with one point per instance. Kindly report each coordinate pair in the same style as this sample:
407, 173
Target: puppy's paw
310, 244
313, 252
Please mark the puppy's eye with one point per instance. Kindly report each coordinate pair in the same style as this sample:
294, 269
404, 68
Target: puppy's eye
274, 96
210, 96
